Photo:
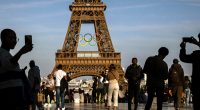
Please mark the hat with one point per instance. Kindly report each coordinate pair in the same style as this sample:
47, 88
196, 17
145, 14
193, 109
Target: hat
175, 61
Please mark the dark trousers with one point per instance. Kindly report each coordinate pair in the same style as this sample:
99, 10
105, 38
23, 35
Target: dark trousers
100, 92
195, 97
12, 98
133, 91
49, 92
94, 95
151, 93
15, 97
35, 100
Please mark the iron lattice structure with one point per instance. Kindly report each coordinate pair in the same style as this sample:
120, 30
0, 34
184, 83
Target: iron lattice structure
88, 63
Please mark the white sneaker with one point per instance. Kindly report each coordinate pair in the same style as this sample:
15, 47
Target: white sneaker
45, 105
63, 108
49, 105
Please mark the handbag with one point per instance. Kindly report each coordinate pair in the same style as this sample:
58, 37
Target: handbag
40, 97
121, 94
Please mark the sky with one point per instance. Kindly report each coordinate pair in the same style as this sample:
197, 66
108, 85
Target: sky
138, 28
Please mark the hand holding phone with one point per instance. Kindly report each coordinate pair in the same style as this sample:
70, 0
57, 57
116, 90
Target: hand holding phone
28, 39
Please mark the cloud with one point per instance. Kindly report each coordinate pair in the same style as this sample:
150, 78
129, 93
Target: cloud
182, 26
191, 2
39, 16
125, 7
25, 5
195, 4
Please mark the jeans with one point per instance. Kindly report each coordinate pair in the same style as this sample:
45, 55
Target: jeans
58, 96
113, 89
187, 92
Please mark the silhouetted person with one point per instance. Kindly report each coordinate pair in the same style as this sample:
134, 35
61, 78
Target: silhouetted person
50, 87
64, 85
134, 75
157, 71
34, 79
59, 74
14, 85
94, 91
176, 83
89, 94
194, 59
187, 86
100, 89
105, 84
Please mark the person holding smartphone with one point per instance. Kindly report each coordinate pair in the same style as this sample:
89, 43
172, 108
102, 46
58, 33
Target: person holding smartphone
194, 59
12, 77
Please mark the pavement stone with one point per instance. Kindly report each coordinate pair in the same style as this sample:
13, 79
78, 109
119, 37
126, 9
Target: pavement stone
122, 106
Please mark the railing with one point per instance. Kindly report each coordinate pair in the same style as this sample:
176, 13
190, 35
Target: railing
87, 54
87, 1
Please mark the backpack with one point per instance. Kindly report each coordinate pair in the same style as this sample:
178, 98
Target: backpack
174, 75
63, 84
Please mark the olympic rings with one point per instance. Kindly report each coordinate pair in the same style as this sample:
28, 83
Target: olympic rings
85, 40
89, 39
82, 44
94, 42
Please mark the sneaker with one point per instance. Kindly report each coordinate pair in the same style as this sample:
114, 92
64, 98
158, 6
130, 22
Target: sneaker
115, 108
177, 109
49, 105
46, 104
63, 108
108, 107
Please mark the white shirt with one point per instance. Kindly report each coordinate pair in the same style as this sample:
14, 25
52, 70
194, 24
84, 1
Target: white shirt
59, 74
50, 83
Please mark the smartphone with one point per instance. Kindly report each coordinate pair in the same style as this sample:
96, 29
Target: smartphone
28, 39
188, 39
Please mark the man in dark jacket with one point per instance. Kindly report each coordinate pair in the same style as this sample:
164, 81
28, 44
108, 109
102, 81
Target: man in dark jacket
64, 85
35, 80
193, 58
134, 75
176, 83
157, 71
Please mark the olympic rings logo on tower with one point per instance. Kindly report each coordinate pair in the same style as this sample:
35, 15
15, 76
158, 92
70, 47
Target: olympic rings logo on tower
87, 39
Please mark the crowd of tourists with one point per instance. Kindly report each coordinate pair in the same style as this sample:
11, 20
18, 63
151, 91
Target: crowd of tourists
30, 92
176, 90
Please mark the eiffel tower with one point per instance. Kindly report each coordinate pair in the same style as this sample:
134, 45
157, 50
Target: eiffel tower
88, 63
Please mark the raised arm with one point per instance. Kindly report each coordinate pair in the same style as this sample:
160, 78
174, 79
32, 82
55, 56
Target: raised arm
183, 56
23, 50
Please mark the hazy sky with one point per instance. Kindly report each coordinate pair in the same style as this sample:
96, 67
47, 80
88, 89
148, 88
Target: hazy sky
138, 28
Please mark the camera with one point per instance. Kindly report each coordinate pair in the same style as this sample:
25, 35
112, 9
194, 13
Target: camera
189, 39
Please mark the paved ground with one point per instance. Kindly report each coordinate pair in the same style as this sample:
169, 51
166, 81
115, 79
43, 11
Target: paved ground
122, 106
